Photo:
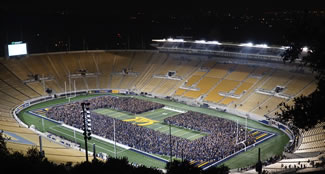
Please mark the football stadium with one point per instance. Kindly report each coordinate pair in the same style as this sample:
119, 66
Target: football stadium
117, 91
209, 106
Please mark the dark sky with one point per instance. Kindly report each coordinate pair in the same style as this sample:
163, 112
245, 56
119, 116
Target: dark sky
132, 24
158, 7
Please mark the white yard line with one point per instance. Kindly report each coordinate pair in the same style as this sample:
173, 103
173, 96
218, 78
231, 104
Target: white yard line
172, 109
177, 131
158, 128
82, 139
193, 136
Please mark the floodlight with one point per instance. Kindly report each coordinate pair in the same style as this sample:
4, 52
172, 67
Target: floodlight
159, 40
175, 40
200, 41
305, 49
214, 42
284, 47
261, 46
249, 44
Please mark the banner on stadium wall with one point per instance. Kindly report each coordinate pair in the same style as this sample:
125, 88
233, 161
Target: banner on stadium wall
101, 91
115, 91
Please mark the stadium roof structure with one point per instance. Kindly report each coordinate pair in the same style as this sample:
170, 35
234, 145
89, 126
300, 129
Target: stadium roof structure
243, 50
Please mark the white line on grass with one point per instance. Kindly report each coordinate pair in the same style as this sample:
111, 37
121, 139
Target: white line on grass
159, 127
186, 133
177, 131
96, 140
88, 143
160, 115
193, 136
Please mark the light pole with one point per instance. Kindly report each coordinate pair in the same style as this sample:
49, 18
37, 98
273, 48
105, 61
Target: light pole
86, 125
170, 143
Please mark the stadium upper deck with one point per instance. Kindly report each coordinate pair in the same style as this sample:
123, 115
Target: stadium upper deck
247, 50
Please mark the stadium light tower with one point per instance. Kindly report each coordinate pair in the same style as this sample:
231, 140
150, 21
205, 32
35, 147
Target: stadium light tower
86, 125
170, 143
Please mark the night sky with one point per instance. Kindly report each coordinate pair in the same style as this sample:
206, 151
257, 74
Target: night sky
124, 25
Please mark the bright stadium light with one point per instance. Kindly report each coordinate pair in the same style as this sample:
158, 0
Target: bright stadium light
214, 42
179, 40
159, 40
284, 47
200, 41
175, 40
249, 44
305, 49
261, 46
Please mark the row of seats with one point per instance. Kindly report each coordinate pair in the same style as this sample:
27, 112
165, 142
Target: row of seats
13, 93
313, 140
210, 78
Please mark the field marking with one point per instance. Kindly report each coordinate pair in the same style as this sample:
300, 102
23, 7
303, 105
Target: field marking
175, 110
162, 117
177, 131
159, 127
193, 136
119, 151
110, 144
185, 133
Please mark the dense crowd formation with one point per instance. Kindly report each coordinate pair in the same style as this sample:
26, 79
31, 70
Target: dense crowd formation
127, 104
220, 141
222, 134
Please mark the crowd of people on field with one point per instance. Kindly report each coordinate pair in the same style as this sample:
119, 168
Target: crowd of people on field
219, 142
222, 139
128, 104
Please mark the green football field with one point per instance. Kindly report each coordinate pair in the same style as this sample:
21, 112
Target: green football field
271, 147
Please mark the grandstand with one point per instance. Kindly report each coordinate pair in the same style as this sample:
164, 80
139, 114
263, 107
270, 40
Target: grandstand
246, 87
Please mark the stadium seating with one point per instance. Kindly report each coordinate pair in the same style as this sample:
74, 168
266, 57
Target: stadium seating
208, 78
12, 97
204, 85
313, 140
237, 84
224, 86
297, 84
279, 77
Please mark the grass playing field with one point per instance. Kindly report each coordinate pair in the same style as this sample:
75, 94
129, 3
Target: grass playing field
271, 147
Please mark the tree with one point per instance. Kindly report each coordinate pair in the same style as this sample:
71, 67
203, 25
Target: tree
307, 111
4, 152
217, 170
181, 167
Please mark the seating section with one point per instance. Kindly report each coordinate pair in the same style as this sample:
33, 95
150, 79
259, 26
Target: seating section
279, 77
223, 84
245, 86
165, 88
13, 93
228, 85
194, 79
204, 85
313, 140
268, 106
